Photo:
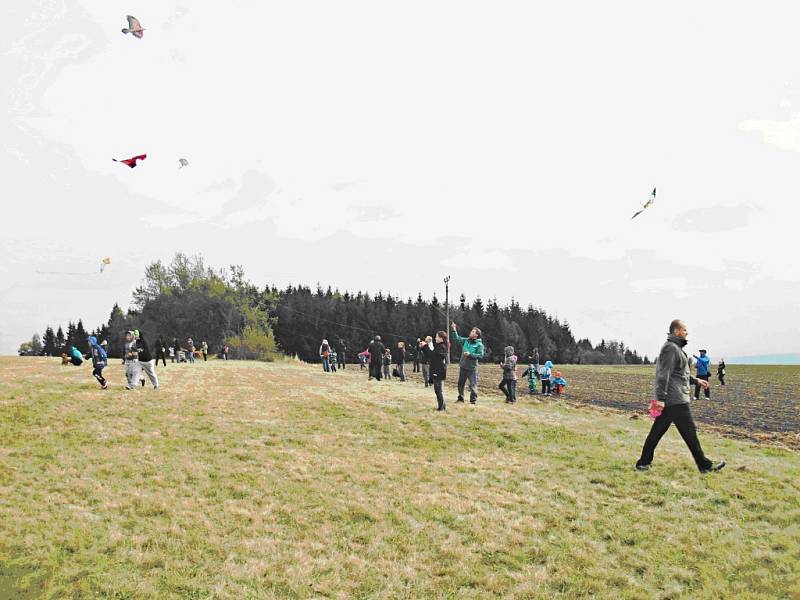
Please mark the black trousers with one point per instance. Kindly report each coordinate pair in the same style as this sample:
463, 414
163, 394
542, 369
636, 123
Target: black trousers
681, 415
697, 387
546, 386
437, 388
98, 374
375, 370
416, 366
160, 355
509, 388
721, 379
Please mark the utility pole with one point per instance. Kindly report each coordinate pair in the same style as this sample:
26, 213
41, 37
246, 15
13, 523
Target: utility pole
447, 313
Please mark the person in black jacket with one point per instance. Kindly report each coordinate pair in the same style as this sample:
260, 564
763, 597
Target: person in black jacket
437, 364
146, 362
376, 351
424, 358
416, 355
161, 349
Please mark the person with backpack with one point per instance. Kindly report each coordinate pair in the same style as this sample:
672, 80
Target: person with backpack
508, 385
99, 361
673, 381
544, 376
471, 352
324, 355
436, 359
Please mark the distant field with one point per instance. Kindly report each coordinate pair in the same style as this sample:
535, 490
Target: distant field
758, 401
250, 480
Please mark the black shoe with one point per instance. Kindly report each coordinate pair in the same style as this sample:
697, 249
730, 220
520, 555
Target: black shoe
459, 399
642, 467
714, 467
473, 401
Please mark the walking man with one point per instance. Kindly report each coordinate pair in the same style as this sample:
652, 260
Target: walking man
471, 352
721, 371
161, 351
673, 378
703, 374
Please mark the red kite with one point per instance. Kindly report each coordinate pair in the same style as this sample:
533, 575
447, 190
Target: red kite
131, 162
134, 27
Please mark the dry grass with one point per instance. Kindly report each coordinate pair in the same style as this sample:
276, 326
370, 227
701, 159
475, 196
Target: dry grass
246, 480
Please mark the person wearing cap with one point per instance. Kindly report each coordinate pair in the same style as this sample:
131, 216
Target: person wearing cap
703, 365
130, 357
673, 378
471, 352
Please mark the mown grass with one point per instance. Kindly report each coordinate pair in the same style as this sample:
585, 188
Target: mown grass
250, 480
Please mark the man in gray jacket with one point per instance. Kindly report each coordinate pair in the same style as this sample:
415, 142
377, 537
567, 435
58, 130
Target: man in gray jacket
673, 379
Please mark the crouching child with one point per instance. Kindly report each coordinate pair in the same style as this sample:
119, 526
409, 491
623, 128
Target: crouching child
559, 384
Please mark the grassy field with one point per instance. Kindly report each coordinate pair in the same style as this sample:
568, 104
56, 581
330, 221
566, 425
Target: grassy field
249, 480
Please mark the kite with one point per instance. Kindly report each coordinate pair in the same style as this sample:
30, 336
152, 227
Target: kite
134, 27
104, 262
131, 162
647, 204
183, 162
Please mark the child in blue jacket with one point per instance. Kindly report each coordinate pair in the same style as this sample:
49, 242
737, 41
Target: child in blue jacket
559, 384
544, 377
99, 361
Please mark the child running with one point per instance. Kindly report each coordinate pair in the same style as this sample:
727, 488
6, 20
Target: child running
99, 361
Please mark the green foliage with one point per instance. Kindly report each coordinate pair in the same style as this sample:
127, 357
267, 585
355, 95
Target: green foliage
254, 343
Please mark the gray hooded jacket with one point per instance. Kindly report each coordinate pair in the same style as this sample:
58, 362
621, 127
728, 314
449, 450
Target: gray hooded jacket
672, 373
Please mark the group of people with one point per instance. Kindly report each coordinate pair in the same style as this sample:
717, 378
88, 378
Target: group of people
331, 359
139, 361
673, 380
430, 358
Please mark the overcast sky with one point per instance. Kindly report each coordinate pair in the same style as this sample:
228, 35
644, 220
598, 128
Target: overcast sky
379, 146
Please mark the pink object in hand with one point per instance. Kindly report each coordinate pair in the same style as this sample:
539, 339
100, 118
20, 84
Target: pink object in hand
655, 409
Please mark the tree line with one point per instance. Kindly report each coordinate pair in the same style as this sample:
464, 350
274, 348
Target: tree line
185, 298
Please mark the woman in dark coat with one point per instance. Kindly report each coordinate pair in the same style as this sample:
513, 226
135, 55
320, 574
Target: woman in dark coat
437, 361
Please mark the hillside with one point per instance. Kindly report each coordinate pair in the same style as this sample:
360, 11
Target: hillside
254, 480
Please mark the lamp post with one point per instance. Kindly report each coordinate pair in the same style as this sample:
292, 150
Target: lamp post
447, 313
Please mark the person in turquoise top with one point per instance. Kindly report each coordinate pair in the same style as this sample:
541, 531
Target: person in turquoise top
471, 352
